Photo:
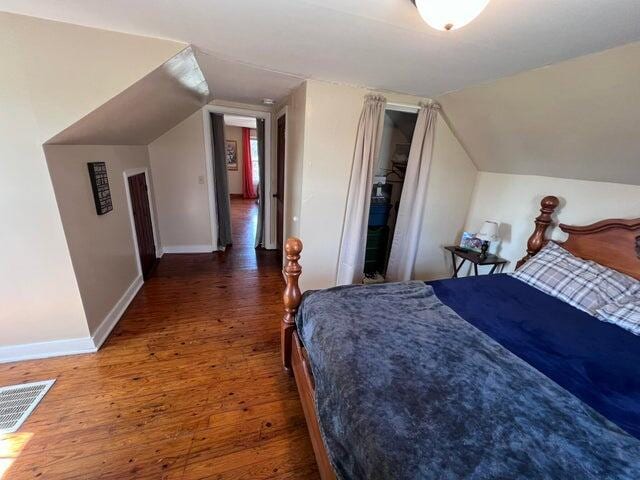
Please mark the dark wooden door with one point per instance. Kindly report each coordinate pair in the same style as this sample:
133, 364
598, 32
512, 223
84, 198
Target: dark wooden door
282, 122
142, 221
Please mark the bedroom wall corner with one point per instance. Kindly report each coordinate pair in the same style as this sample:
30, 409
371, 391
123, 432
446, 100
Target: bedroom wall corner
451, 186
296, 103
514, 202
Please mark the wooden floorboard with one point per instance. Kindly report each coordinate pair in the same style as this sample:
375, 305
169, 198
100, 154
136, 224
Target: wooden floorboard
188, 386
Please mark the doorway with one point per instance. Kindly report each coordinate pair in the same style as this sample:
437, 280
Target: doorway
386, 192
243, 172
266, 210
138, 195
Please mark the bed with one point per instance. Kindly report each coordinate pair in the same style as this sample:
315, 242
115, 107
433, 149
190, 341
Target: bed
510, 382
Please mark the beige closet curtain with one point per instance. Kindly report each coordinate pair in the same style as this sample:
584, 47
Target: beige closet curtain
404, 248
354, 230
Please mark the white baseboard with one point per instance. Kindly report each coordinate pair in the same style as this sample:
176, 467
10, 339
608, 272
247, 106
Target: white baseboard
188, 249
112, 318
55, 348
73, 346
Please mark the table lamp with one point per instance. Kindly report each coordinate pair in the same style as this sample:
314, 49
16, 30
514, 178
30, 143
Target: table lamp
488, 233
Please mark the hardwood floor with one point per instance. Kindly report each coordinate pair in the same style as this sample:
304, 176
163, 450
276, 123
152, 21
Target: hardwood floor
188, 386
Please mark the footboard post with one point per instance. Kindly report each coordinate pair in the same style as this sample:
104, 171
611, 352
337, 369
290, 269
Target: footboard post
537, 239
291, 298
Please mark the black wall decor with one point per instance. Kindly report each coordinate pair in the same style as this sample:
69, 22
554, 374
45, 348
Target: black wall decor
100, 187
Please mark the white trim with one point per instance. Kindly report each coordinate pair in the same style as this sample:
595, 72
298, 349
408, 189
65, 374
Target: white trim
269, 233
208, 156
402, 107
284, 111
130, 173
112, 318
55, 348
188, 249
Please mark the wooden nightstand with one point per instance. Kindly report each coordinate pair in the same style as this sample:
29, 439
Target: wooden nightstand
474, 258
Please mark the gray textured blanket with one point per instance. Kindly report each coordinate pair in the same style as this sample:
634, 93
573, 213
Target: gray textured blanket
406, 389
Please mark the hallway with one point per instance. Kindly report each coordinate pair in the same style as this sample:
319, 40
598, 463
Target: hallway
188, 386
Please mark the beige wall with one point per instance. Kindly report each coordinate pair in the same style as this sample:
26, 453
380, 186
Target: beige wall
296, 104
52, 74
235, 176
514, 201
180, 180
101, 246
575, 119
331, 118
451, 185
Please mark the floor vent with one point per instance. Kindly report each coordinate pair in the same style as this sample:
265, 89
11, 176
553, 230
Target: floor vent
18, 401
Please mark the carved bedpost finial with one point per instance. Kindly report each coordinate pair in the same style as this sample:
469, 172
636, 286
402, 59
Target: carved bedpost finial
291, 298
537, 239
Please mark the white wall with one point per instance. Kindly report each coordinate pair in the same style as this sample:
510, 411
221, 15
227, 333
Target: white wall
575, 119
332, 114
296, 104
101, 246
52, 75
514, 201
180, 181
331, 118
451, 185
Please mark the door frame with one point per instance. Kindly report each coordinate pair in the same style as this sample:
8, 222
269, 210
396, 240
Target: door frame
269, 206
285, 211
130, 173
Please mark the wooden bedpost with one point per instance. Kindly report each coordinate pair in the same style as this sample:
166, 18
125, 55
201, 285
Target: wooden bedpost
291, 298
537, 239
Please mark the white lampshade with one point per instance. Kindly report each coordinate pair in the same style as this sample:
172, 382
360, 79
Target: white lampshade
450, 14
489, 231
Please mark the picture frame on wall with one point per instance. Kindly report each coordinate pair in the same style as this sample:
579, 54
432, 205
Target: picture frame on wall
231, 154
100, 187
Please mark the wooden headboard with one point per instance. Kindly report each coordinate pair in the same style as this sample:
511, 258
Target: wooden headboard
614, 243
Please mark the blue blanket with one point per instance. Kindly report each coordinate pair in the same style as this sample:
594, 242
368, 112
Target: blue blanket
406, 389
596, 361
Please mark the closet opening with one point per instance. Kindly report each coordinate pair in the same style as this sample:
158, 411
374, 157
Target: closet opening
386, 190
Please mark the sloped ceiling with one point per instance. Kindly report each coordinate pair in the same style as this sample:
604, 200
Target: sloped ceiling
382, 44
576, 119
145, 110
238, 82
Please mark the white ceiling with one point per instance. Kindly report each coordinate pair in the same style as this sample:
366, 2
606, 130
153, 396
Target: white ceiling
576, 119
376, 43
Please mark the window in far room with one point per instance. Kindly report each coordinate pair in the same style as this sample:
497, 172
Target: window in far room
255, 159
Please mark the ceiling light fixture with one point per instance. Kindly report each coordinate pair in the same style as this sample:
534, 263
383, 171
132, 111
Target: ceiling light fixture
268, 101
449, 14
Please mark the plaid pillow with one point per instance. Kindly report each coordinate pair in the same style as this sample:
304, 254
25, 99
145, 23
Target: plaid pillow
625, 315
573, 280
624, 310
602, 292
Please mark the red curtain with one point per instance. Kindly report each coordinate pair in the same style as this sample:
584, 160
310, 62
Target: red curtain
248, 189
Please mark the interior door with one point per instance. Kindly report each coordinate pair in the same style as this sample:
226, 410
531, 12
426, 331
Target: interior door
142, 220
279, 195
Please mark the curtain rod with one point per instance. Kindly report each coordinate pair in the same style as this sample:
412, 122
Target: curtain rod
402, 107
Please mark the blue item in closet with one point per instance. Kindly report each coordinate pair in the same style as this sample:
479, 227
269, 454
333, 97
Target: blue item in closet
379, 214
